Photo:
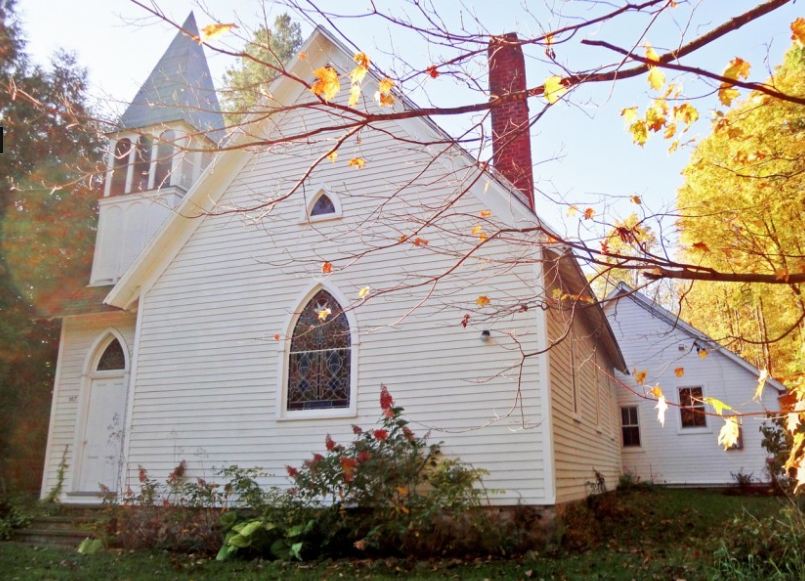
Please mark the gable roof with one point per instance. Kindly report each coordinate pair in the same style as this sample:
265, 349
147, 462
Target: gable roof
503, 198
623, 290
179, 88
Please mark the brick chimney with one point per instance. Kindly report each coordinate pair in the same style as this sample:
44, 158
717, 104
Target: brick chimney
511, 142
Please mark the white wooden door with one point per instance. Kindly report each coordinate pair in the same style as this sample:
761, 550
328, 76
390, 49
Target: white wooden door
103, 434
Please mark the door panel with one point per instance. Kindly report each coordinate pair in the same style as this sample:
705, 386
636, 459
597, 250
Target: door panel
103, 435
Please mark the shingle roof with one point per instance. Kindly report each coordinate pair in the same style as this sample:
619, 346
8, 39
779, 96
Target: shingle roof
180, 88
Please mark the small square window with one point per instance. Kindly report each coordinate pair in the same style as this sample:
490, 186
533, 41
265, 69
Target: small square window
630, 426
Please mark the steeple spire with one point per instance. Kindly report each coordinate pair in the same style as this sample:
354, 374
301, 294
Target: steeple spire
180, 88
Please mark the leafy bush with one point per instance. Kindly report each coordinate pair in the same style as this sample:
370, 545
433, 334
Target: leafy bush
769, 548
387, 491
181, 514
15, 513
631, 481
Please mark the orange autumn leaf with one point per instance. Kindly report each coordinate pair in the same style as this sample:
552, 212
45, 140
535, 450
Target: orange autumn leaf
485, 213
589, 213
679, 371
357, 162
636, 200
327, 267
327, 83
703, 353
215, 30
798, 31
359, 72
701, 247
432, 72
482, 301
383, 95
277, 337
640, 376
420, 241
737, 69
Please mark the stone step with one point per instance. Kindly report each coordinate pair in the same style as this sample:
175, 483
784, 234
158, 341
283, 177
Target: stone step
63, 523
50, 537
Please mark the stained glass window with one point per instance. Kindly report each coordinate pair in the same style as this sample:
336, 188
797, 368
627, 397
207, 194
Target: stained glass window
319, 361
323, 206
112, 358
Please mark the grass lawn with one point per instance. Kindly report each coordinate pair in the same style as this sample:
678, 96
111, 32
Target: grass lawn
641, 534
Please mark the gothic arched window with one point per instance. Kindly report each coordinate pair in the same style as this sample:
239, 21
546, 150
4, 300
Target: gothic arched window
120, 167
142, 164
320, 357
113, 357
164, 165
322, 206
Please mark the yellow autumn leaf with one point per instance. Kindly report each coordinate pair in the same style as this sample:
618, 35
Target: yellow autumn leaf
359, 72
572, 210
478, 231
639, 131
629, 114
798, 36
679, 371
324, 313
703, 353
215, 30
727, 94
485, 213
656, 78
482, 301
327, 83
737, 69
354, 95
383, 95
729, 433
554, 89
717, 405
686, 113
761, 383
364, 292
640, 376
357, 162
332, 156
655, 391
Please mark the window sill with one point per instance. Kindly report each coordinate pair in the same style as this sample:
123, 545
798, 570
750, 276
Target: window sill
317, 415
313, 220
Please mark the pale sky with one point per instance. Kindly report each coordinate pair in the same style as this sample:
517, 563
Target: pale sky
582, 149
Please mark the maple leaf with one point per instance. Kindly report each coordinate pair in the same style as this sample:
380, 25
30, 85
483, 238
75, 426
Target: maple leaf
656, 78
729, 433
478, 231
482, 301
679, 371
324, 313
465, 320
661, 407
359, 72
686, 113
640, 376
432, 72
727, 94
761, 383
326, 267
332, 156
572, 211
327, 83
364, 292
277, 336
629, 114
420, 241
354, 95
383, 95
357, 162
798, 36
554, 89
636, 200
782, 274
485, 213
639, 131
738, 68
589, 213
215, 30
703, 353
700, 247
717, 405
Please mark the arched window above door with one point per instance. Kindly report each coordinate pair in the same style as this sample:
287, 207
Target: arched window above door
113, 358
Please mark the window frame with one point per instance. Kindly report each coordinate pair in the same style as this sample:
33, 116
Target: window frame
692, 429
309, 218
636, 425
284, 352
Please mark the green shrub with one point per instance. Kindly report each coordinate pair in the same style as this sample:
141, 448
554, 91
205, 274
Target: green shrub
770, 548
15, 513
386, 491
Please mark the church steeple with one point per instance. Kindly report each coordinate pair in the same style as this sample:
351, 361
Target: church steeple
179, 88
164, 141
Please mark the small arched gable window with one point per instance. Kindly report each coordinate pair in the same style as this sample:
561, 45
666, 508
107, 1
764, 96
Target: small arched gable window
322, 206
164, 165
120, 166
142, 164
112, 358
319, 365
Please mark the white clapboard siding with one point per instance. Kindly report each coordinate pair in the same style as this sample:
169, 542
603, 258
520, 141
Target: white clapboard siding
207, 378
79, 335
672, 454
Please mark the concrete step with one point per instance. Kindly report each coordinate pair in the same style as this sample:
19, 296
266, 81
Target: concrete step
50, 537
63, 522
